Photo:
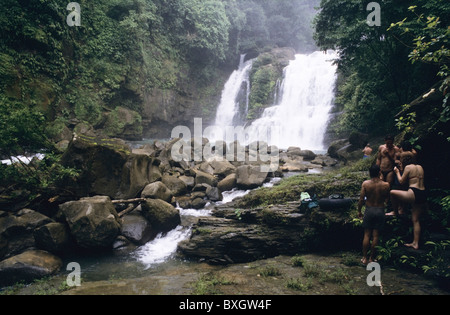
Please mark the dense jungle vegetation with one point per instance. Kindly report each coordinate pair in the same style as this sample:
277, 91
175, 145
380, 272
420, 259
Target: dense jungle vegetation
53, 75
387, 74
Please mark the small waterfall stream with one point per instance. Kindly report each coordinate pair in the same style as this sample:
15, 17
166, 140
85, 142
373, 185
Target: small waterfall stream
228, 110
164, 246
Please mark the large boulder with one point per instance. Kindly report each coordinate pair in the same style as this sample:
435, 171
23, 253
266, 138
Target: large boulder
100, 161
222, 169
157, 190
308, 155
228, 183
176, 185
249, 177
123, 123
137, 172
108, 168
136, 228
205, 178
93, 221
53, 237
248, 234
28, 266
335, 146
294, 166
162, 216
17, 230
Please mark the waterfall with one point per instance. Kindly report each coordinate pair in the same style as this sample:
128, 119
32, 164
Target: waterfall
230, 103
302, 115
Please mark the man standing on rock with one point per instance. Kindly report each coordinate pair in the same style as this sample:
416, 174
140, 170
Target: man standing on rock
387, 155
375, 195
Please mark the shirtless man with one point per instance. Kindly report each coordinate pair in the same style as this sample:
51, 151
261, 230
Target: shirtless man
416, 195
374, 194
388, 153
367, 151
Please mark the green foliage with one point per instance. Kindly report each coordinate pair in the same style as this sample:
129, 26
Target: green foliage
376, 76
436, 260
39, 176
298, 261
21, 128
206, 28
423, 31
263, 81
126, 48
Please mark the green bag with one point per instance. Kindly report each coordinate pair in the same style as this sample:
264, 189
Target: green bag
307, 202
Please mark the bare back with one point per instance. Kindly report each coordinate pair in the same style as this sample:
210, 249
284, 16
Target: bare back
414, 176
376, 193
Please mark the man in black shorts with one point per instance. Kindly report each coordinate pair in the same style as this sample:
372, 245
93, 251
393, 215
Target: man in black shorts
374, 195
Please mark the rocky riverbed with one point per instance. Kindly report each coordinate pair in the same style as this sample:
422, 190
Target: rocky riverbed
318, 274
263, 231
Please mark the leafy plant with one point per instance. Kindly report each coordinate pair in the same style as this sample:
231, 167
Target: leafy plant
436, 259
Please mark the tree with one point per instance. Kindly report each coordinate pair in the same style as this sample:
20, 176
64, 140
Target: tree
206, 28
370, 58
427, 35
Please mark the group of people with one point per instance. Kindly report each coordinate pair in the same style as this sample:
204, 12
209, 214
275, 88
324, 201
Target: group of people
395, 177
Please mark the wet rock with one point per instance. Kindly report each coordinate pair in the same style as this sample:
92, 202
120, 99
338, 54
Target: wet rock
228, 183
249, 177
214, 194
162, 216
52, 237
197, 203
93, 222
233, 234
223, 241
17, 230
176, 185
205, 178
136, 228
28, 266
157, 190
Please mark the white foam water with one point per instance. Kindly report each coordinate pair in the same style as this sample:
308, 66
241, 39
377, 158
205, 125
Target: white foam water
164, 246
307, 96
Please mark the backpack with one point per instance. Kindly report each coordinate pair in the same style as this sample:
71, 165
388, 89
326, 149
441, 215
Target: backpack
307, 202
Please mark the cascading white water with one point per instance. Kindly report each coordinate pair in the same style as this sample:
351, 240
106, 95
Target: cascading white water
229, 106
307, 94
306, 97
164, 246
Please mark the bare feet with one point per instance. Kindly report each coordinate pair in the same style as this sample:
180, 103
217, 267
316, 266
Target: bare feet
413, 245
392, 213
